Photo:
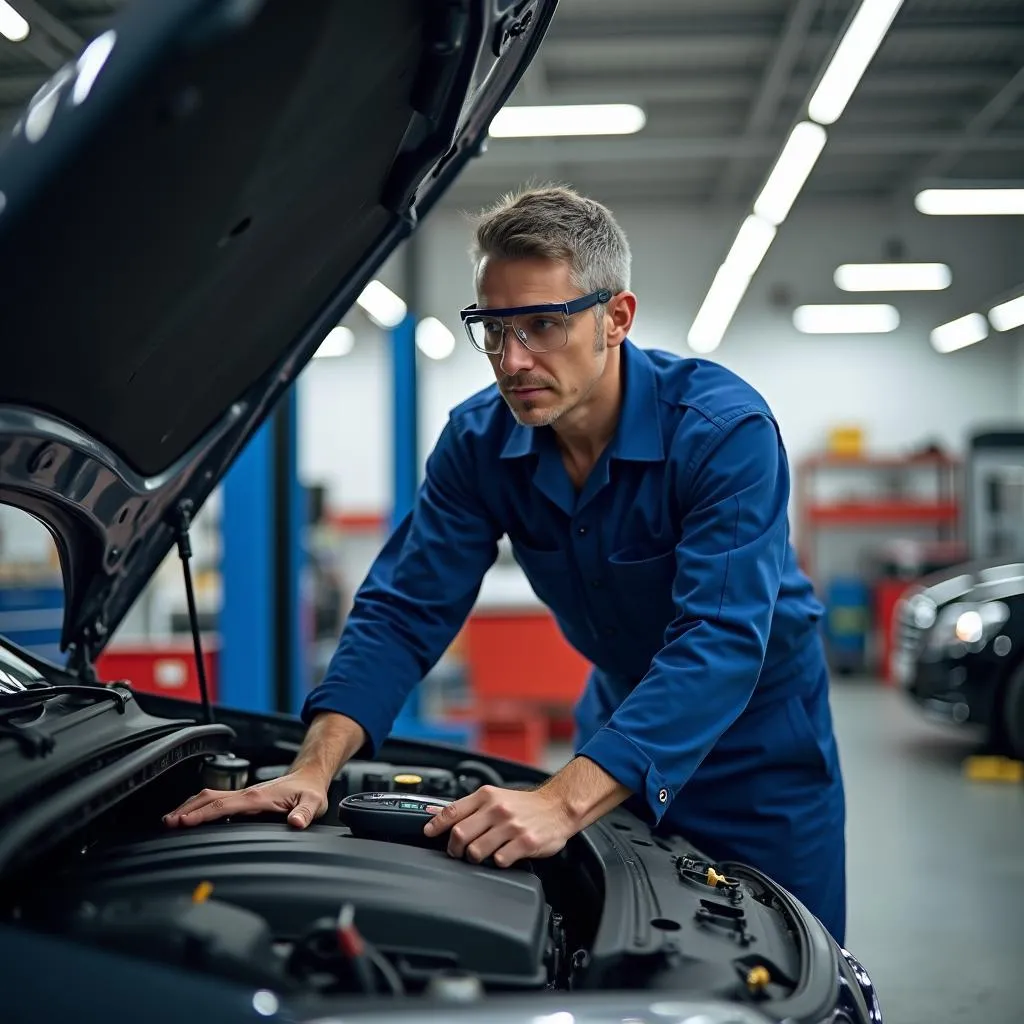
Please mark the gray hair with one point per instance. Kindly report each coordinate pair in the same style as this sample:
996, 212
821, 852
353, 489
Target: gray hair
554, 222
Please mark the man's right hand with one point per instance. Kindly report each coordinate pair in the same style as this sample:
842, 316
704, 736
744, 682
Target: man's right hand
302, 796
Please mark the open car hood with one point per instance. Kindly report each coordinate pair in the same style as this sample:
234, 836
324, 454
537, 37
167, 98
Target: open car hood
185, 212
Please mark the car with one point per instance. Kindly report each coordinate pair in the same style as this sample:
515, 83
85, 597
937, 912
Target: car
958, 649
187, 210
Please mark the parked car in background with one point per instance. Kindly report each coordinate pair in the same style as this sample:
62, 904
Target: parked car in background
959, 649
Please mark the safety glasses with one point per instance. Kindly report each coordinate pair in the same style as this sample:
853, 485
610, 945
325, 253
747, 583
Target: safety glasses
540, 328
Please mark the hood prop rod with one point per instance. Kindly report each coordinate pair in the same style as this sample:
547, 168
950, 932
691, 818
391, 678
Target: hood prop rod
182, 527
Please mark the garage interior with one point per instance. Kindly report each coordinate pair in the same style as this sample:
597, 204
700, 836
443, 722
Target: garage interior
860, 263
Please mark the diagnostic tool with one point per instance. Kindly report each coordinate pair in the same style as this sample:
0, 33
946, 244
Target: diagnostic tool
393, 817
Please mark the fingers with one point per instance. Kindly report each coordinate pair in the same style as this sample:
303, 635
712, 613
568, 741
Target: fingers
520, 847
302, 815
211, 804
490, 842
302, 803
455, 812
466, 832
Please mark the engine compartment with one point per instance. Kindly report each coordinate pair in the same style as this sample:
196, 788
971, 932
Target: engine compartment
422, 910
323, 913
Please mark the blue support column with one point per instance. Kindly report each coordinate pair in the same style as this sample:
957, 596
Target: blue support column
262, 630
248, 651
405, 447
405, 469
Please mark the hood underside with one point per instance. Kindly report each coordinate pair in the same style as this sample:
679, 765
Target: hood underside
184, 214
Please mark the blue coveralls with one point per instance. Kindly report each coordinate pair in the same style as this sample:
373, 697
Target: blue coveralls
673, 573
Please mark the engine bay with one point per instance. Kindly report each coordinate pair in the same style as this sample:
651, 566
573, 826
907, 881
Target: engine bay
332, 911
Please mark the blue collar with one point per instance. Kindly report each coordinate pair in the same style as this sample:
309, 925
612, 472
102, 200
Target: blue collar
637, 437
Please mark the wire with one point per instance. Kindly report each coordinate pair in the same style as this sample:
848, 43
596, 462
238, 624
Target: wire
485, 771
383, 965
353, 948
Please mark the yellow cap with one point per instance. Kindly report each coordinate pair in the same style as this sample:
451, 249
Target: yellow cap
757, 978
408, 780
202, 892
714, 877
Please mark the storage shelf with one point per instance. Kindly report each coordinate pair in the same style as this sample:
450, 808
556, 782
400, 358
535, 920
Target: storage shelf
865, 512
878, 509
880, 462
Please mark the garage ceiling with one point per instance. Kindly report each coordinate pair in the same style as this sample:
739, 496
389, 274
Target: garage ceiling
722, 81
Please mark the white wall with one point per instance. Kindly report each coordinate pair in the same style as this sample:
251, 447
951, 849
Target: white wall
895, 386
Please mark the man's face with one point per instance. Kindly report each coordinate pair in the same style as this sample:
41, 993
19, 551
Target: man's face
539, 387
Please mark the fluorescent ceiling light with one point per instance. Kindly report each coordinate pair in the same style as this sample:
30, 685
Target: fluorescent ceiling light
753, 240
339, 342
433, 339
581, 119
12, 25
791, 170
957, 334
717, 309
851, 59
839, 319
382, 305
970, 202
893, 277
1007, 315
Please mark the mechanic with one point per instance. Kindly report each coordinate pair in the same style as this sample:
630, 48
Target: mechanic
645, 496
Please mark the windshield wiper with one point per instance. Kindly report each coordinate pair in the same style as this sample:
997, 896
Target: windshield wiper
31, 696
32, 740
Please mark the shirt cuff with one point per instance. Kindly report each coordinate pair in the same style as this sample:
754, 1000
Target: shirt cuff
337, 697
621, 758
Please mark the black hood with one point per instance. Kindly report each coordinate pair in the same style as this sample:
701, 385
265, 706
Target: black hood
184, 214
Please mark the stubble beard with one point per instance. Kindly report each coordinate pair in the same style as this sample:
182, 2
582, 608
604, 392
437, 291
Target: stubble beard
552, 415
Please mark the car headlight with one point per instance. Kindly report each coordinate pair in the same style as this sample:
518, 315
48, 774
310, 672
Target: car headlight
922, 611
963, 626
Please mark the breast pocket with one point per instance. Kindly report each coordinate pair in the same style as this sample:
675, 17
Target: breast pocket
548, 573
643, 592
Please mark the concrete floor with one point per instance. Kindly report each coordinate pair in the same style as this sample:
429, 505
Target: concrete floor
935, 865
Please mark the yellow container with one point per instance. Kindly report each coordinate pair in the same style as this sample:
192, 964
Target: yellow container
846, 441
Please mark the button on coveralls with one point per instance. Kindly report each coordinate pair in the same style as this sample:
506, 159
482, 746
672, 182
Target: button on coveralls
672, 572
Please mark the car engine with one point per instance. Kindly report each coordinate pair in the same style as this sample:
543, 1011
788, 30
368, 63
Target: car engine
334, 911
261, 902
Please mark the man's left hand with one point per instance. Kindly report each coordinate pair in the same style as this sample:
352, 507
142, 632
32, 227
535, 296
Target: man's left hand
508, 824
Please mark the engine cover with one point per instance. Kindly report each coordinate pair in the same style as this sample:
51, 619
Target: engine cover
422, 908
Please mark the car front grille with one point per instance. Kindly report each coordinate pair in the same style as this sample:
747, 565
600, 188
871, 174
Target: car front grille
907, 643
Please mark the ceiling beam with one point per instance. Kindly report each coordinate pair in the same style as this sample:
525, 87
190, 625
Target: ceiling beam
737, 87
516, 153
39, 17
534, 90
975, 131
49, 40
772, 88
630, 49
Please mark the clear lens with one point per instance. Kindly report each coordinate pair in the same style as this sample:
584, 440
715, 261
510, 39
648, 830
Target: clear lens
539, 332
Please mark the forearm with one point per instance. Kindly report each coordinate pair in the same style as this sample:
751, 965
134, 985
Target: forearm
586, 791
331, 740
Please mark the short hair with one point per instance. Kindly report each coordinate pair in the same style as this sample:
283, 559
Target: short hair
555, 222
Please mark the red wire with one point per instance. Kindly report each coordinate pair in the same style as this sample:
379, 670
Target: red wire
351, 942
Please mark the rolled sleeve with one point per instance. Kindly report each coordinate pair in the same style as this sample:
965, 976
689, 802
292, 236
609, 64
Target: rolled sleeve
415, 598
729, 566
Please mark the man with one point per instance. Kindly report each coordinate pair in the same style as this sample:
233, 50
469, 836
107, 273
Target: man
645, 497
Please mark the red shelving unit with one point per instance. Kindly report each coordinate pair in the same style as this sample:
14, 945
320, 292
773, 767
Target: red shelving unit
882, 512
873, 512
